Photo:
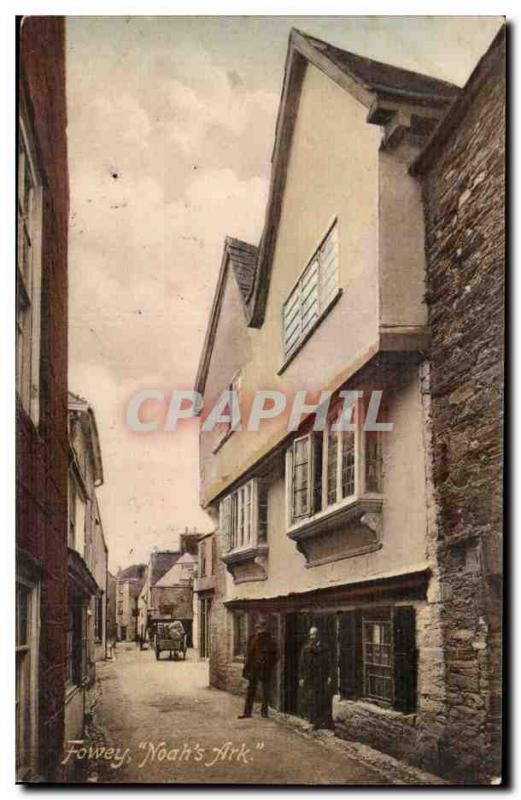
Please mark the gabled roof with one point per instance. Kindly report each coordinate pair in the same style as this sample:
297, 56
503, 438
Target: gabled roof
243, 258
176, 575
375, 76
134, 572
160, 562
371, 83
81, 406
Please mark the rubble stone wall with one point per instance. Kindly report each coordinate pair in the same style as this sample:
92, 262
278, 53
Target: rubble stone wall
464, 215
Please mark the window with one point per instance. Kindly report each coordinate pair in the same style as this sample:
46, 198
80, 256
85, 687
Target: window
377, 656
98, 618
243, 516
322, 468
26, 691
378, 672
315, 289
202, 559
75, 643
72, 514
239, 633
28, 275
233, 409
373, 461
76, 534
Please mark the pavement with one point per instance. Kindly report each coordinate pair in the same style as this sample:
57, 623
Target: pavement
160, 722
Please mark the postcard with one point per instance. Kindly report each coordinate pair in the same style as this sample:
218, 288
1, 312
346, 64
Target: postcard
260, 318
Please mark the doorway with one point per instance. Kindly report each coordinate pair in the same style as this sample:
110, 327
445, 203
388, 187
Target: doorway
297, 627
205, 605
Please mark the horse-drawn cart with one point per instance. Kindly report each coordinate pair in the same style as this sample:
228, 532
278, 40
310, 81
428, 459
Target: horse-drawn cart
170, 636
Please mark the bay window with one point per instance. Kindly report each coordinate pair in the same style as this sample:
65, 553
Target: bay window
243, 516
325, 469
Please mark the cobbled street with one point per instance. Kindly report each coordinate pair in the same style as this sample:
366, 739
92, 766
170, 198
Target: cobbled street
169, 726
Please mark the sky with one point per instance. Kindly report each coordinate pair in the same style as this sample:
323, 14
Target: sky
170, 130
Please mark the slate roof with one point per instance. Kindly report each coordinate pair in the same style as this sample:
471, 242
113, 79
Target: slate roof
134, 572
160, 562
243, 258
369, 81
176, 575
380, 77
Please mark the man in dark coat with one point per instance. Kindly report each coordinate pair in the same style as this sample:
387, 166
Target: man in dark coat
261, 657
315, 681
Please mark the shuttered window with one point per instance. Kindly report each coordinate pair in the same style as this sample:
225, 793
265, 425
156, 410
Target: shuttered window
315, 289
377, 656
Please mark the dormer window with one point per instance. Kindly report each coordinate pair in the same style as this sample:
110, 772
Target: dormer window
313, 293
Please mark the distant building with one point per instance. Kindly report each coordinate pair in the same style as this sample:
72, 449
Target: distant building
129, 585
204, 589
188, 541
168, 590
111, 627
41, 400
88, 558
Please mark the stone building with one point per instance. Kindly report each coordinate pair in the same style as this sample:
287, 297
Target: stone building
41, 400
111, 627
130, 582
167, 592
337, 527
88, 559
204, 588
463, 175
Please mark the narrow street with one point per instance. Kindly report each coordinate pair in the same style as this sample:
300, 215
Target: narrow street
171, 727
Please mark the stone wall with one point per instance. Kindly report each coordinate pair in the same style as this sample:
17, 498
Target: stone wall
464, 213
225, 673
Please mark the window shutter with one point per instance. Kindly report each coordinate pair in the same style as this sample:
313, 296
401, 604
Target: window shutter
404, 638
350, 653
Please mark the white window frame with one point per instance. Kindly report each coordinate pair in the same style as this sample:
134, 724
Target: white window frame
360, 489
29, 280
29, 766
239, 521
77, 514
297, 303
